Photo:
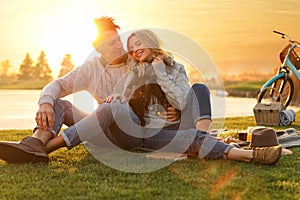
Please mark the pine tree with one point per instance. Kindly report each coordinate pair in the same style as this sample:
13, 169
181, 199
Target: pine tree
26, 68
4, 68
42, 70
66, 65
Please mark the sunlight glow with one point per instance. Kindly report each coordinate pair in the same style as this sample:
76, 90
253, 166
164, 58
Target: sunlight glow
71, 34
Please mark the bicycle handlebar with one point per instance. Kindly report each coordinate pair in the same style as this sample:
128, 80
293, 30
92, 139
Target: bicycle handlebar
279, 33
283, 35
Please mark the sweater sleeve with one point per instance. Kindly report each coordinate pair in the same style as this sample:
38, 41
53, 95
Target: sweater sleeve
72, 82
175, 84
127, 90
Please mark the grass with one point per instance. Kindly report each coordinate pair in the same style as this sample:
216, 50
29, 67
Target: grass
252, 86
24, 85
76, 174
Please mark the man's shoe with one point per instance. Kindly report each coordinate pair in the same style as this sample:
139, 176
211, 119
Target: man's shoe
28, 150
266, 155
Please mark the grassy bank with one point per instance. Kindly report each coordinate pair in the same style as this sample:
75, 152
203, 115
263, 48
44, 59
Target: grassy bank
244, 88
76, 174
24, 85
252, 86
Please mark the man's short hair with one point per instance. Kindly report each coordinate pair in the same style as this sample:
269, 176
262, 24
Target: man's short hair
105, 24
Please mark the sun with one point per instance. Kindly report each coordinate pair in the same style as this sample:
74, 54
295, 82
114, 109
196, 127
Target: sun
73, 35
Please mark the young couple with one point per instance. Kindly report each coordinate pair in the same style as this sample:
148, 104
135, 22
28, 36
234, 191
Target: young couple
151, 107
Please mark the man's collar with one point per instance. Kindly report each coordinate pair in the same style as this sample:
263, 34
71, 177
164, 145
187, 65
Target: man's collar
120, 60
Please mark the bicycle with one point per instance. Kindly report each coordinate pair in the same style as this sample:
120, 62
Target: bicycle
281, 86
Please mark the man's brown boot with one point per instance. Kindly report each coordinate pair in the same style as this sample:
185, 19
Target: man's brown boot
266, 155
28, 150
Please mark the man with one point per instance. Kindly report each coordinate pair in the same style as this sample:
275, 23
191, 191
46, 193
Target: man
100, 77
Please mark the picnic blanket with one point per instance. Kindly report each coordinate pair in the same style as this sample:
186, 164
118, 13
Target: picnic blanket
288, 139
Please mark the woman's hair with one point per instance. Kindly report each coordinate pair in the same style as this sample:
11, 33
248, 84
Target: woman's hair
153, 42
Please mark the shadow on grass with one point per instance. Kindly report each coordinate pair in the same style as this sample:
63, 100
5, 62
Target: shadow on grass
77, 174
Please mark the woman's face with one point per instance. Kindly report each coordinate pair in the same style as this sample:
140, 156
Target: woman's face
138, 49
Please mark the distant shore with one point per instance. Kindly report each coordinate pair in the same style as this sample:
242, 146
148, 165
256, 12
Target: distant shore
242, 93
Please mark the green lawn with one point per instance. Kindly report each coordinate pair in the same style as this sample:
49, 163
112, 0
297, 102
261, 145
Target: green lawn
251, 86
24, 85
75, 174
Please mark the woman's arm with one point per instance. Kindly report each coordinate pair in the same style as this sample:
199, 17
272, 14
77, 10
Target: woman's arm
175, 84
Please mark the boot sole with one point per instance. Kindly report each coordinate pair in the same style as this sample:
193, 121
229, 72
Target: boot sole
13, 154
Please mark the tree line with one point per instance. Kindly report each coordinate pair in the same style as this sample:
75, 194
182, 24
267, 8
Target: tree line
34, 71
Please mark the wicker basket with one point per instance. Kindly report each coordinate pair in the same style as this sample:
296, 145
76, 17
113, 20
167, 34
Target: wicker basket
267, 114
294, 55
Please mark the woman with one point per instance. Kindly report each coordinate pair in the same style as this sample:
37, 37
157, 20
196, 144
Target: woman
156, 81
196, 143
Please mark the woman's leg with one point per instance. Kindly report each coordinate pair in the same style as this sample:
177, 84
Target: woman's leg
197, 113
201, 145
192, 141
123, 124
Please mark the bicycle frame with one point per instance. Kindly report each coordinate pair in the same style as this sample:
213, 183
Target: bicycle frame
286, 63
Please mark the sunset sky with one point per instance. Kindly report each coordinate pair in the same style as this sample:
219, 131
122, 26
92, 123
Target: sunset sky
237, 34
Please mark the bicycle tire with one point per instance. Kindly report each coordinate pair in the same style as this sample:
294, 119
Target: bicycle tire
285, 87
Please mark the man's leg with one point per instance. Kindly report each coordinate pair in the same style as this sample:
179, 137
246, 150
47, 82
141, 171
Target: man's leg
70, 116
32, 148
114, 118
197, 113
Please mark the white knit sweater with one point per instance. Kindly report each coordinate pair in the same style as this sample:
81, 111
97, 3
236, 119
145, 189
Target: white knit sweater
93, 76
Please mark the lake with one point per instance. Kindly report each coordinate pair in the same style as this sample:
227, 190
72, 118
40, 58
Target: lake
18, 107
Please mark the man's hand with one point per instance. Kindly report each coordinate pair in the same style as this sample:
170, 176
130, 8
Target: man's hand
171, 114
44, 114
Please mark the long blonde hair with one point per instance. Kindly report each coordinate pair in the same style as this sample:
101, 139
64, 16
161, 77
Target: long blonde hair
153, 42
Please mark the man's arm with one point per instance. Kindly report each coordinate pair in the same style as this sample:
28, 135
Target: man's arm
72, 82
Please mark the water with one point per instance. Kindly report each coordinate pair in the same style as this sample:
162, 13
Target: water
18, 107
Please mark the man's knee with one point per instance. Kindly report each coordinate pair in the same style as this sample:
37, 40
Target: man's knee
59, 103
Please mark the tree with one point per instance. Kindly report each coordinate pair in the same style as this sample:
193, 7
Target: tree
66, 65
26, 68
42, 70
4, 68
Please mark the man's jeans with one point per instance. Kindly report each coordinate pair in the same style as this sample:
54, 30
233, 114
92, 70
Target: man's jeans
116, 123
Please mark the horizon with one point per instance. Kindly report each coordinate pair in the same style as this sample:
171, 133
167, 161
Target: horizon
237, 35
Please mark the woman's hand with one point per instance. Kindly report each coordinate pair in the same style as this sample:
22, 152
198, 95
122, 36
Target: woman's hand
114, 97
157, 60
171, 114
45, 116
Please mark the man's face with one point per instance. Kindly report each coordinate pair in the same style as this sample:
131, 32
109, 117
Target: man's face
111, 46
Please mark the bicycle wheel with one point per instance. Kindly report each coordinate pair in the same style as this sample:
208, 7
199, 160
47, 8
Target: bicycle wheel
281, 90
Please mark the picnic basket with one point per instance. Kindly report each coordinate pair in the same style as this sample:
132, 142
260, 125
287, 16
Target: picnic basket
267, 112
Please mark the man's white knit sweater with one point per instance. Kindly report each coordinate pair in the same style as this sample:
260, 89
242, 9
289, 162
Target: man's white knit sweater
96, 77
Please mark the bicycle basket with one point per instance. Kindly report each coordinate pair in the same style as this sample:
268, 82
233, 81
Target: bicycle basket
294, 55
